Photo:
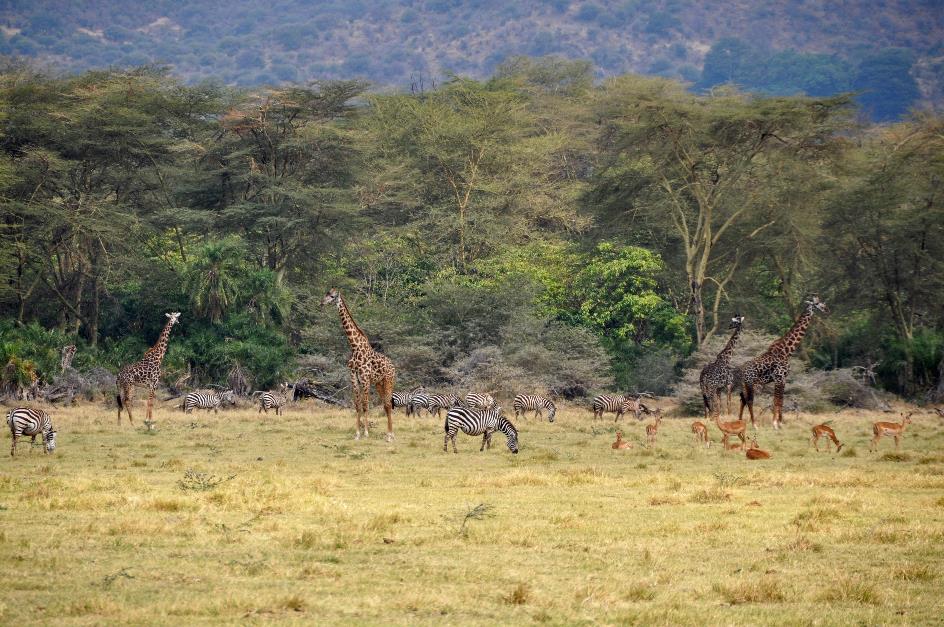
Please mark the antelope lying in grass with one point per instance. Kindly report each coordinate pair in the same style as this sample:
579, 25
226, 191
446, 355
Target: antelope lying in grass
620, 442
753, 452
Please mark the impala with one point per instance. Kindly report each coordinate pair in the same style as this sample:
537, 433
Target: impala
735, 427
892, 429
652, 430
620, 442
825, 431
753, 452
701, 433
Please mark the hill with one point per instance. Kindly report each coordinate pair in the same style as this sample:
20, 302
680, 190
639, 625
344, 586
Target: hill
890, 50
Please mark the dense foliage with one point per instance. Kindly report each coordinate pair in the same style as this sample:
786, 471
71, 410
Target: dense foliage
886, 50
533, 230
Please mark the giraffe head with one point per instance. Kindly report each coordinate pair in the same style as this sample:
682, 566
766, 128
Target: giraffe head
331, 297
813, 303
173, 317
736, 321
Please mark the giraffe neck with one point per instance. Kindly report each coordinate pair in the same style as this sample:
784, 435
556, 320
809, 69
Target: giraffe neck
355, 336
724, 357
794, 336
156, 353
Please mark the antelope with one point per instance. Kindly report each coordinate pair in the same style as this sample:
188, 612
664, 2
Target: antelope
755, 453
892, 429
701, 433
652, 430
735, 427
825, 431
620, 442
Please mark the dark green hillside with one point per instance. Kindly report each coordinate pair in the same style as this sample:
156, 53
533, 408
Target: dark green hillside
889, 50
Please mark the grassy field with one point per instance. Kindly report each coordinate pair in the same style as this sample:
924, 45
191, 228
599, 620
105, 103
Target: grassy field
236, 516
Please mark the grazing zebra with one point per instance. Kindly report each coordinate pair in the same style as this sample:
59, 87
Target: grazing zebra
479, 401
482, 422
418, 401
401, 399
405, 399
32, 422
208, 400
529, 402
619, 405
437, 402
273, 400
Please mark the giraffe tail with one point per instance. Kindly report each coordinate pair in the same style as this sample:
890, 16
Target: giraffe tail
121, 405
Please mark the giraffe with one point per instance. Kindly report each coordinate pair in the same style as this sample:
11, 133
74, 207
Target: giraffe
719, 374
774, 364
368, 367
145, 373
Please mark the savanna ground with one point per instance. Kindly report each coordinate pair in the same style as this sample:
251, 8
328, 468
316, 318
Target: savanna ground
236, 516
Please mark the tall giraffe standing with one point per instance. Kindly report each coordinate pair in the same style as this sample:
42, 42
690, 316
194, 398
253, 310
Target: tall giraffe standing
719, 374
368, 367
774, 364
145, 373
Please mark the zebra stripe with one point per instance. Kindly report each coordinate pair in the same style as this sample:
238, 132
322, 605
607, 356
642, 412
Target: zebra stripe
482, 422
405, 399
530, 402
418, 401
479, 401
208, 400
31, 422
619, 405
271, 400
401, 399
436, 402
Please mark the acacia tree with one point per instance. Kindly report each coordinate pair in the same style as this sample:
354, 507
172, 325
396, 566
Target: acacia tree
88, 154
884, 236
697, 163
281, 168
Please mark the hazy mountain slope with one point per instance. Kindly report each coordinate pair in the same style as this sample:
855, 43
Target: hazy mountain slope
387, 41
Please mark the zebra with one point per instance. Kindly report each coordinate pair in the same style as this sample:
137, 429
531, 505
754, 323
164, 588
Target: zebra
482, 422
418, 401
405, 399
529, 402
437, 402
619, 405
273, 400
479, 401
32, 422
208, 400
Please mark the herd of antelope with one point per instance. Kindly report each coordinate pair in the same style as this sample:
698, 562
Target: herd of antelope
738, 428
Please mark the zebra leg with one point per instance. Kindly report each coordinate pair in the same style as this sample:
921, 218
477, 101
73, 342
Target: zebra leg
484, 442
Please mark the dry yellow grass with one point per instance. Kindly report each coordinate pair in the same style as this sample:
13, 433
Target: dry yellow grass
220, 518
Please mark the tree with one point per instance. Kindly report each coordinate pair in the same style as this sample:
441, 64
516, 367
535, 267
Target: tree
281, 172
694, 164
884, 234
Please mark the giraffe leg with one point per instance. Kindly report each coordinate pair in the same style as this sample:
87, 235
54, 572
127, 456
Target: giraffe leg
150, 403
778, 404
385, 390
356, 395
729, 390
747, 399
